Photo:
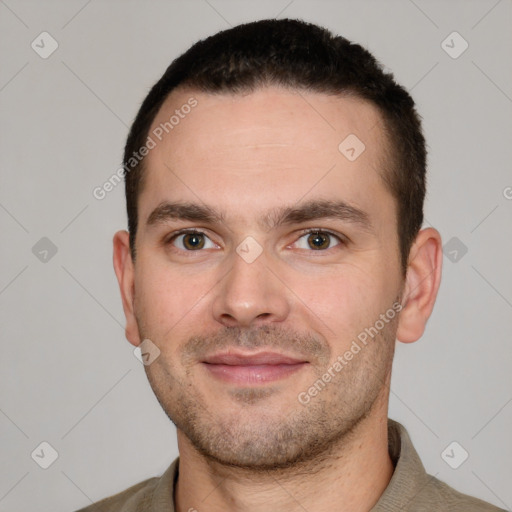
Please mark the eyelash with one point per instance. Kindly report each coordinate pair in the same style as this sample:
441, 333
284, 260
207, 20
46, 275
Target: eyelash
310, 231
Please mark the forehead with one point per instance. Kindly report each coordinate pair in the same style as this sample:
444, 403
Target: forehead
272, 144
269, 115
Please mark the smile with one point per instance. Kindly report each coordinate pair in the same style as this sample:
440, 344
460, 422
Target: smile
251, 369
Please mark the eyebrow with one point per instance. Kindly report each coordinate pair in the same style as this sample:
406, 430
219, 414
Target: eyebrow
306, 212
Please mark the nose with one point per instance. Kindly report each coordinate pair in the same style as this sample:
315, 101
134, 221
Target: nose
250, 294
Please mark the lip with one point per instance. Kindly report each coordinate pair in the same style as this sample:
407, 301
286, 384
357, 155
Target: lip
252, 369
261, 358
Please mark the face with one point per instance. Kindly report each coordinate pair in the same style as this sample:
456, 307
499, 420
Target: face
264, 256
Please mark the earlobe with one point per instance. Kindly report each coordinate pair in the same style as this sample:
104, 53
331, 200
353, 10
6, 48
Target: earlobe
125, 272
422, 284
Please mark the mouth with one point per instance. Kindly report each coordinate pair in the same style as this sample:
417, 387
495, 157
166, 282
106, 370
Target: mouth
252, 369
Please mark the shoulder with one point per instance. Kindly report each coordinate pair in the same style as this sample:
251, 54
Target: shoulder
452, 500
411, 489
136, 498
142, 497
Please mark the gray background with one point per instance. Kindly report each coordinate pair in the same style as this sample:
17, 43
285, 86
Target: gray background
67, 374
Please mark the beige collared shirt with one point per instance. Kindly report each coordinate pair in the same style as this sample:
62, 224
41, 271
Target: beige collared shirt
411, 489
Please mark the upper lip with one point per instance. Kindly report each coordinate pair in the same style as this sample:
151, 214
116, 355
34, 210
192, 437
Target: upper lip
241, 359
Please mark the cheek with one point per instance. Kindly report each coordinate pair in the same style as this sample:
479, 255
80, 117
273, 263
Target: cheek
335, 297
343, 301
164, 299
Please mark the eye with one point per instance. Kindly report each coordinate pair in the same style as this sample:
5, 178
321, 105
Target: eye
318, 240
191, 241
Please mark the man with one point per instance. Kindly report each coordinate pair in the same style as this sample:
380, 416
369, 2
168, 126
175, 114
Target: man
275, 179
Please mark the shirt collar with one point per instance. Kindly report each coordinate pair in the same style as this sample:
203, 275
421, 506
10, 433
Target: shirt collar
409, 478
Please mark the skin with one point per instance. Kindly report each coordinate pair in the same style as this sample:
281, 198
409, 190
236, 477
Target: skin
245, 446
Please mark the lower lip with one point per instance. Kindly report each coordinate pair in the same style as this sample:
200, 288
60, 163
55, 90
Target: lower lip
255, 374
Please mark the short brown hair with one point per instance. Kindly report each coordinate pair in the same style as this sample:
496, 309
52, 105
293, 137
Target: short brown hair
296, 55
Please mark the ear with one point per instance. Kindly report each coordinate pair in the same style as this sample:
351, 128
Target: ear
124, 268
421, 284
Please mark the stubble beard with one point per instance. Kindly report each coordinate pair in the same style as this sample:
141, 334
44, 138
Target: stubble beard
307, 437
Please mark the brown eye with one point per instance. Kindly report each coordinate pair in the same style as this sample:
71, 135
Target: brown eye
193, 241
319, 240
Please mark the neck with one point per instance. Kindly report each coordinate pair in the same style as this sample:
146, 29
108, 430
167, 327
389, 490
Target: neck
352, 476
